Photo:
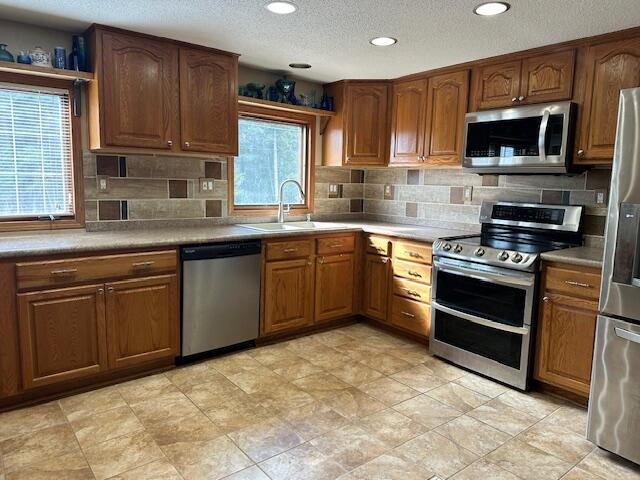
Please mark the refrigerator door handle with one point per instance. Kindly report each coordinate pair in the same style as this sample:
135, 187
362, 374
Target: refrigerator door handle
627, 335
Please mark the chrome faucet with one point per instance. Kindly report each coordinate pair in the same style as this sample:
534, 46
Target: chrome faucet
281, 210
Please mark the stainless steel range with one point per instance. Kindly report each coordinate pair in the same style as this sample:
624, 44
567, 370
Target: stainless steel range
483, 305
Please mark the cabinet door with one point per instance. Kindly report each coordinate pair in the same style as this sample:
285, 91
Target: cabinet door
288, 295
498, 85
62, 334
142, 320
565, 342
408, 122
447, 105
375, 295
611, 67
334, 287
208, 102
366, 125
547, 78
140, 92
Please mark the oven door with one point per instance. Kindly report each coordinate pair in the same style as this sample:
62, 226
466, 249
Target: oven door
481, 318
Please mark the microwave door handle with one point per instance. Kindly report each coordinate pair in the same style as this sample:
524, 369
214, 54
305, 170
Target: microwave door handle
479, 320
542, 136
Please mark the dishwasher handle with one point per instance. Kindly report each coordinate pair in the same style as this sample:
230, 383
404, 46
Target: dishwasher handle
220, 250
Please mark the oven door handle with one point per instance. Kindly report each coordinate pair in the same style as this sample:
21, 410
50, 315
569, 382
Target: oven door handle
479, 320
485, 276
542, 136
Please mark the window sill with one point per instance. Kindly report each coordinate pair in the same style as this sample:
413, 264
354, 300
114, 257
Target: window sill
35, 225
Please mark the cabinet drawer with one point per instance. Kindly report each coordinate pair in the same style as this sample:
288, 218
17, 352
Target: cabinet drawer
412, 290
378, 245
289, 249
412, 271
75, 270
573, 282
411, 315
413, 252
331, 245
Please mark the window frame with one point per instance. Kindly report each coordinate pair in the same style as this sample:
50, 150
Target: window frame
9, 224
309, 124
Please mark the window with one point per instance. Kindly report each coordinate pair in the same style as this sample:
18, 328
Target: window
271, 148
37, 182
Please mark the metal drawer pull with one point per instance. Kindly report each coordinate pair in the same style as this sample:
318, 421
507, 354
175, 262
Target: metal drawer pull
407, 314
65, 271
413, 293
413, 254
627, 335
110, 289
290, 250
335, 245
573, 283
413, 273
142, 264
384, 260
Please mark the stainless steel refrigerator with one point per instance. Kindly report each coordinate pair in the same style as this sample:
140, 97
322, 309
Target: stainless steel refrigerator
614, 403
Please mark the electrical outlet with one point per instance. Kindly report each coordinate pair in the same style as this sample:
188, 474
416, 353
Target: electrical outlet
389, 192
335, 190
601, 197
206, 185
467, 193
103, 183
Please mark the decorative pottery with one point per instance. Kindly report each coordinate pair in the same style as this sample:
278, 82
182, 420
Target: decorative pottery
286, 88
40, 57
79, 53
24, 58
255, 90
272, 94
5, 55
59, 57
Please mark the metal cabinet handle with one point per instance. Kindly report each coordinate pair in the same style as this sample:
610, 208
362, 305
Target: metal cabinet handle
514, 99
413, 273
413, 293
142, 264
407, 314
627, 335
169, 143
187, 144
384, 260
110, 289
581, 153
546, 299
335, 245
413, 254
521, 98
320, 260
290, 250
64, 271
573, 283
100, 291
309, 262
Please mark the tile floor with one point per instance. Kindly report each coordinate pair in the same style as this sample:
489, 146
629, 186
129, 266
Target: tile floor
352, 403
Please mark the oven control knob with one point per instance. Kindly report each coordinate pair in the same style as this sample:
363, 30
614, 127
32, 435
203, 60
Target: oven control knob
457, 248
446, 247
516, 258
479, 252
503, 255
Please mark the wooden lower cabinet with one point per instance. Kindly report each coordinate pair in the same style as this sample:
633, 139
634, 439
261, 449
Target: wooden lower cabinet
566, 327
142, 320
62, 334
288, 295
335, 278
375, 294
410, 315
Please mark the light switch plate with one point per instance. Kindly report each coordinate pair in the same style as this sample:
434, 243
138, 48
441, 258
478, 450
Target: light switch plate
103, 183
467, 194
388, 192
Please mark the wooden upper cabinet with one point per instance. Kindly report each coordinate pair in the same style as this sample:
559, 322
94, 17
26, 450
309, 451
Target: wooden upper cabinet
366, 124
547, 78
62, 334
357, 134
288, 295
611, 67
142, 320
408, 118
565, 342
447, 100
139, 92
208, 102
335, 276
498, 85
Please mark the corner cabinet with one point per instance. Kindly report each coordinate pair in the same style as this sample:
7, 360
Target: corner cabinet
357, 134
154, 95
610, 67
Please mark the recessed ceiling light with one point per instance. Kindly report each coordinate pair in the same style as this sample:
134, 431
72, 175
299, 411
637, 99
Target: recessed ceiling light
491, 8
281, 8
299, 65
383, 41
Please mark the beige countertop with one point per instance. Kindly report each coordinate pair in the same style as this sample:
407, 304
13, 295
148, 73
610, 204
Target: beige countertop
25, 244
583, 256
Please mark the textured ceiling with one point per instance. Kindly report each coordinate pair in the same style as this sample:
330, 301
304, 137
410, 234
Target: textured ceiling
333, 35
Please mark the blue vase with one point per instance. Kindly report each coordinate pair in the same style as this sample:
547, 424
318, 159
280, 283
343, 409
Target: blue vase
5, 55
24, 58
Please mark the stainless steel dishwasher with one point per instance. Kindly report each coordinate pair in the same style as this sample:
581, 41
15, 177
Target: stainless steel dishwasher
220, 297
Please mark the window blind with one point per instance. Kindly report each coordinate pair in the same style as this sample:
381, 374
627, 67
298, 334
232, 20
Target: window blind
36, 174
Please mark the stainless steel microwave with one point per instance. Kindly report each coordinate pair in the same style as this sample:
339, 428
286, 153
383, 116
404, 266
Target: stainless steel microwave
528, 139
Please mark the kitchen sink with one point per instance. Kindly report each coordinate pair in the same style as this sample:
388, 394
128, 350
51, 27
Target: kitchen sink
292, 226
